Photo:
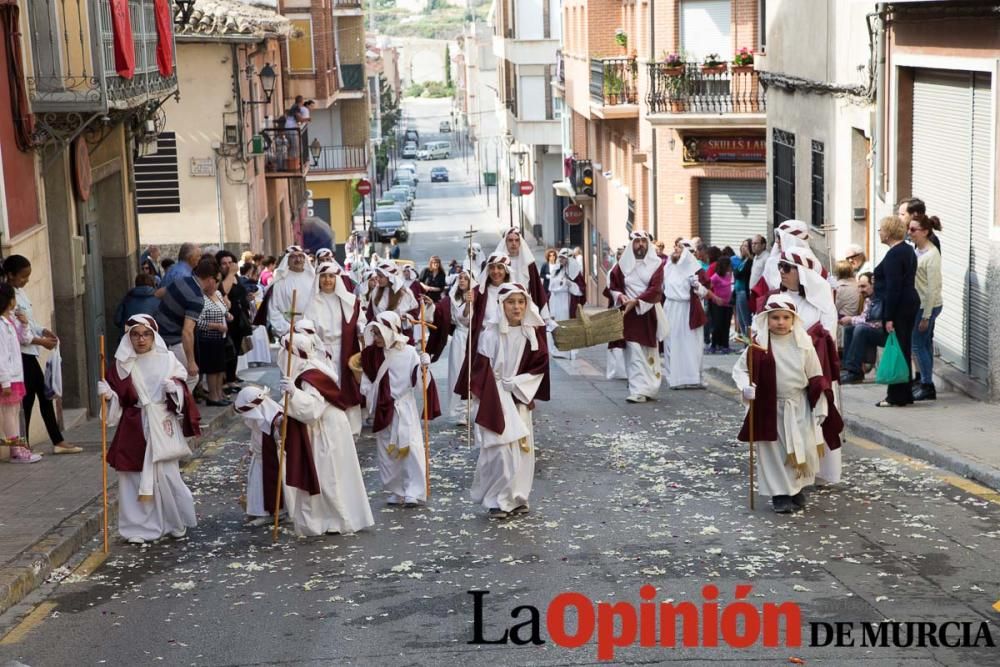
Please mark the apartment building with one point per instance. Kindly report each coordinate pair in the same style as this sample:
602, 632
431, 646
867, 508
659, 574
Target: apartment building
477, 85
525, 41
325, 62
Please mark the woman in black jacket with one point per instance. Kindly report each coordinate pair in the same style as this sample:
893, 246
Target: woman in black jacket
894, 287
433, 279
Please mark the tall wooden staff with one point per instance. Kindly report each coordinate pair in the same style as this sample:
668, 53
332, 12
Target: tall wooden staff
468, 347
750, 349
284, 423
424, 325
104, 451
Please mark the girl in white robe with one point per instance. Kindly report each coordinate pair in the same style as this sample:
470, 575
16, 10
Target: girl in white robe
461, 317
390, 389
505, 470
341, 506
562, 289
149, 402
263, 417
789, 464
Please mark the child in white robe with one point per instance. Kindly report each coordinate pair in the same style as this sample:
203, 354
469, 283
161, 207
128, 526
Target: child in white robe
263, 417
510, 367
390, 382
787, 395
461, 317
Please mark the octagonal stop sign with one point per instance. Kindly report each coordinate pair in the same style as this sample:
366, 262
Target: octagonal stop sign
573, 214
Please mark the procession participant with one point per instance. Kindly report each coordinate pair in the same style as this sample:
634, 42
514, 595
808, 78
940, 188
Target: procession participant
149, 402
787, 391
325, 255
390, 379
263, 417
336, 313
636, 285
391, 294
524, 271
323, 488
511, 365
804, 281
294, 274
461, 316
566, 293
789, 234
684, 291
477, 261
615, 358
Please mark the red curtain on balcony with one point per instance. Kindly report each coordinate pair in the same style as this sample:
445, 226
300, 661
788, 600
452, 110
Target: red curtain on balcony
164, 37
20, 112
124, 46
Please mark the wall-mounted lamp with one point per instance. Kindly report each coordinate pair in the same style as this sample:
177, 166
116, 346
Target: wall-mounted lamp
183, 12
315, 150
268, 77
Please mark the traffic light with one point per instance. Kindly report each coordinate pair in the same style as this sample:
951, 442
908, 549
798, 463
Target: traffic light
585, 178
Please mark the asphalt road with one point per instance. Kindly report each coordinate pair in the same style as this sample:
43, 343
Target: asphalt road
625, 495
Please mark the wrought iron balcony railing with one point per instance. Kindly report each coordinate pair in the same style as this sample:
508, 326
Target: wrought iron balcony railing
72, 57
347, 4
286, 152
560, 68
691, 88
613, 81
340, 159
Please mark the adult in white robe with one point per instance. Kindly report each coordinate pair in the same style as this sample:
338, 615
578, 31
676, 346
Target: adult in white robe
262, 415
341, 506
787, 235
510, 368
682, 352
524, 271
461, 317
391, 294
149, 403
563, 293
294, 274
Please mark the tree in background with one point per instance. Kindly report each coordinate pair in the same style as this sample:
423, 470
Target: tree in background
447, 65
390, 108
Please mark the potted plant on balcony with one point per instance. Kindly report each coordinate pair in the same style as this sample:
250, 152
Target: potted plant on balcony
712, 64
621, 38
673, 64
743, 62
613, 86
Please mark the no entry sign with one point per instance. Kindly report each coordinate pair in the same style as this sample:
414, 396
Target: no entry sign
526, 187
363, 187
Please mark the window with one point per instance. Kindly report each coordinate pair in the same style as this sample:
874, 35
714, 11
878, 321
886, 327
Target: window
705, 28
630, 220
783, 150
300, 45
762, 26
818, 210
156, 187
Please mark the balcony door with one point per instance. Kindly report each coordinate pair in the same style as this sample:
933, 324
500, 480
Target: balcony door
706, 28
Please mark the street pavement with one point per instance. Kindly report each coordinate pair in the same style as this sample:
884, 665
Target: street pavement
625, 495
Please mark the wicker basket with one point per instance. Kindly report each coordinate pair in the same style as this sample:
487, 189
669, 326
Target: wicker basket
589, 329
355, 365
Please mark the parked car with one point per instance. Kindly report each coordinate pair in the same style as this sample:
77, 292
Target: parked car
412, 135
410, 150
444, 126
388, 223
439, 174
402, 200
405, 189
423, 154
408, 182
405, 174
412, 166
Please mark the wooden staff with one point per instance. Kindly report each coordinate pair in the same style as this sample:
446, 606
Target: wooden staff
284, 423
424, 325
104, 450
468, 348
750, 348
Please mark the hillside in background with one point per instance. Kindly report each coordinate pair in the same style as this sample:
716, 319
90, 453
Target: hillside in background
431, 19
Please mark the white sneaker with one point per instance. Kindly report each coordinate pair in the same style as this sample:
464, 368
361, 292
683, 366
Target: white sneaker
636, 398
178, 534
393, 499
410, 502
259, 521
135, 540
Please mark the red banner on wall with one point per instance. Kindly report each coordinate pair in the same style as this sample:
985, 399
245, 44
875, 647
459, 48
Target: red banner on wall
124, 46
164, 37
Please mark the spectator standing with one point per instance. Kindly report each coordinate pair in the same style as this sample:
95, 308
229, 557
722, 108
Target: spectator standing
895, 278
236, 295
928, 285
165, 264
549, 267
267, 270
180, 307
210, 346
12, 391
720, 310
916, 208
188, 257
433, 279
141, 299
742, 268
393, 251
846, 296
149, 262
759, 253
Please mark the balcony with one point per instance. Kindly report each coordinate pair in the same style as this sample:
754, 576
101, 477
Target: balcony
614, 83
72, 58
347, 7
352, 77
560, 69
692, 89
349, 161
286, 153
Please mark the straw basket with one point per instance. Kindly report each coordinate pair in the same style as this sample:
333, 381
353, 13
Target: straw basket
355, 365
589, 329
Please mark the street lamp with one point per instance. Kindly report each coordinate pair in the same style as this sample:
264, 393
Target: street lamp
520, 155
183, 12
315, 150
268, 77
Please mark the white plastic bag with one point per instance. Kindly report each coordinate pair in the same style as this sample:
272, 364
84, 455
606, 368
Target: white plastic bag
53, 375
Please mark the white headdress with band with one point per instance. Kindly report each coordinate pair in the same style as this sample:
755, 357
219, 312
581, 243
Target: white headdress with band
500, 258
125, 355
812, 277
532, 318
773, 303
255, 405
340, 289
629, 262
390, 326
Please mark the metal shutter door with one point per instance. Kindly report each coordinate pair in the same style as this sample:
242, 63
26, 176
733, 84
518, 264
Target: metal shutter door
982, 147
942, 153
730, 211
705, 28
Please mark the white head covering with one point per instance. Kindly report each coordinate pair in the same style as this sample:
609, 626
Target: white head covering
532, 318
525, 255
454, 286
813, 278
255, 406
409, 274
687, 263
324, 255
340, 291
126, 355
789, 234
484, 275
391, 271
282, 271
628, 262
573, 268
779, 302
389, 325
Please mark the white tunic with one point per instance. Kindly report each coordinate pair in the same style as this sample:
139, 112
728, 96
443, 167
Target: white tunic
682, 353
341, 506
505, 470
255, 476
327, 312
642, 365
280, 304
561, 291
457, 355
400, 445
799, 434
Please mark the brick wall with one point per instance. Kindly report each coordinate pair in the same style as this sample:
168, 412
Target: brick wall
354, 121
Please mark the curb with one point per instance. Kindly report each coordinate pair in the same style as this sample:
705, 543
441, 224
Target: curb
33, 566
900, 442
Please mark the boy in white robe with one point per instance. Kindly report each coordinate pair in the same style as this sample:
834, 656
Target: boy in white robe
263, 417
790, 407
682, 351
149, 402
510, 367
390, 382
323, 487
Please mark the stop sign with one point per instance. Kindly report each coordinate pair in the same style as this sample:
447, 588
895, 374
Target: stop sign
573, 214
526, 187
363, 187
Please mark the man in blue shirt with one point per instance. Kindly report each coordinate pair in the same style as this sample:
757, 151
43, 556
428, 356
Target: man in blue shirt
188, 257
180, 307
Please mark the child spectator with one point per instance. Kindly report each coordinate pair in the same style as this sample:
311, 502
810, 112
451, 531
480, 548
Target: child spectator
12, 335
720, 306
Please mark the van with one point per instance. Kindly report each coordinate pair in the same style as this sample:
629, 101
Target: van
436, 150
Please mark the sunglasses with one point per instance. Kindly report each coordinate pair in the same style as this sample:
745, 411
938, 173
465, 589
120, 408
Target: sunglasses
786, 268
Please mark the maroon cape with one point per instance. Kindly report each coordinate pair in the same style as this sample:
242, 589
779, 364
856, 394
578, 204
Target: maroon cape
484, 386
696, 315
349, 346
300, 470
536, 288
577, 302
385, 408
260, 317
128, 447
638, 328
437, 338
758, 295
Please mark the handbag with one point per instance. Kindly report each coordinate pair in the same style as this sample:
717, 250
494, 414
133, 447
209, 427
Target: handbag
246, 345
892, 369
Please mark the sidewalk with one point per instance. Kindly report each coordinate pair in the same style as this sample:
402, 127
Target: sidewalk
53, 507
954, 432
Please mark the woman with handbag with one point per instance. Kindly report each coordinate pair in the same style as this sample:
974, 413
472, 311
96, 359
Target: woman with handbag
239, 328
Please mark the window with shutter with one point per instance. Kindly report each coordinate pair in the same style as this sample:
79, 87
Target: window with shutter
157, 189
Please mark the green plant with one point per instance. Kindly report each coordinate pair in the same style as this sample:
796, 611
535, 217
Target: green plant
712, 60
613, 84
415, 89
621, 37
673, 60
744, 58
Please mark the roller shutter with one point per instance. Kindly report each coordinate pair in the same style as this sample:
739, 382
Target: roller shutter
982, 148
730, 211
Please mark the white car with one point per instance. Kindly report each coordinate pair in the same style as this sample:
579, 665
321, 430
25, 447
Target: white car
410, 150
423, 154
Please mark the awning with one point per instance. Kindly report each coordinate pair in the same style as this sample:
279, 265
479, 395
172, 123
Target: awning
563, 189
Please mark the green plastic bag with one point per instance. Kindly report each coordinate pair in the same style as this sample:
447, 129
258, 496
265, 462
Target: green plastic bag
892, 369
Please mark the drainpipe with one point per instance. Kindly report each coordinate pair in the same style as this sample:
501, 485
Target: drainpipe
880, 103
649, 82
